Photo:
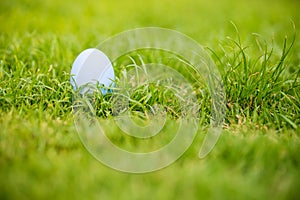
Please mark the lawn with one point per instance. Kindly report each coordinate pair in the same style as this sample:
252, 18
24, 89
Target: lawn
254, 44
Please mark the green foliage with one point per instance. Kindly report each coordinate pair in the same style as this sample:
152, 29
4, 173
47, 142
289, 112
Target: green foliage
257, 156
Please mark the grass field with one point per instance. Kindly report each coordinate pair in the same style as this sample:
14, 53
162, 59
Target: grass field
255, 45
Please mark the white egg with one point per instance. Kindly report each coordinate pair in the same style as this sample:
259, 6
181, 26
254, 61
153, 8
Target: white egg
90, 67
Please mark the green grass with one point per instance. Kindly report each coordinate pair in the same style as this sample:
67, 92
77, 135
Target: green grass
257, 156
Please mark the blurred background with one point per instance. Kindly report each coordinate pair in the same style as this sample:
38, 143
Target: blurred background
200, 19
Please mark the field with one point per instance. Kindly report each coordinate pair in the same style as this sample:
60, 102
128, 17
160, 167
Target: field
255, 45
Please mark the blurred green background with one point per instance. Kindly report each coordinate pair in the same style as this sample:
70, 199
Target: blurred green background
203, 20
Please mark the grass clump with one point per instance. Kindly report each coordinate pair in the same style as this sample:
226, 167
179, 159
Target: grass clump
260, 90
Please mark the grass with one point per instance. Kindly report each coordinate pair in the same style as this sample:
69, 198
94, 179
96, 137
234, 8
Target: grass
257, 156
